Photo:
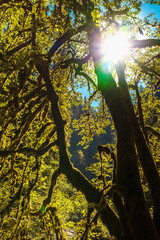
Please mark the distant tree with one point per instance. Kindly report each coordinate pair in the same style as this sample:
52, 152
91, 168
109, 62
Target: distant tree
49, 51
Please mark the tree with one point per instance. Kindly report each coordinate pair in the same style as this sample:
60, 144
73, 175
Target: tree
49, 49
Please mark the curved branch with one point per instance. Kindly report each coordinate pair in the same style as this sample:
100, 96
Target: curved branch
55, 175
156, 56
118, 12
38, 152
77, 179
79, 61
65, 37
44, 150
47, 139
147, 70
88, 78
140, 111
16, 196
5, 153
22, 131
18, 48
47, 200
153, 131
6, 174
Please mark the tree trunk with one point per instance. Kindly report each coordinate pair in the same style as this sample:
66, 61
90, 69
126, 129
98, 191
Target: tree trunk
144, 154
77, 179
127, 173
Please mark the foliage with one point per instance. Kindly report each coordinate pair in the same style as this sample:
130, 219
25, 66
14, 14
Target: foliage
50, 53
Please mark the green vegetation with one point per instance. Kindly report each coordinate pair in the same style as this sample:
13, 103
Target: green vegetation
49, 132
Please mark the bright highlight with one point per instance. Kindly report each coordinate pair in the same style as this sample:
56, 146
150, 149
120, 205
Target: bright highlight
115, 47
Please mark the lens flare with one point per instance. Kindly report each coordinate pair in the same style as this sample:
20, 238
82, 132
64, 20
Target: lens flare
115, 47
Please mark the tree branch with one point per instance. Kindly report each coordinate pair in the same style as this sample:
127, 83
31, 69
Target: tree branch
153, 131
118, 12
88, 78
5, 153
38, 152
65, 37
140, 111
16, 49
55, 175
78, 61
144, 43
147, 70
77, 179
156, 56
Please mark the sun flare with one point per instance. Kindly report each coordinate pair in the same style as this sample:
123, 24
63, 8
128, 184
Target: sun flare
115, 47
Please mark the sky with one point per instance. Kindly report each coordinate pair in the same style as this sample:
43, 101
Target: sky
151, 8
146, 9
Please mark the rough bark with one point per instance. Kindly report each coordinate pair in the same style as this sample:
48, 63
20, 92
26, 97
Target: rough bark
144, 154
127, 174
77, 179
127, 170
153, 131
140, 112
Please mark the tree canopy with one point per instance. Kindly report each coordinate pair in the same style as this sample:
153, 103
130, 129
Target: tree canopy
50, 53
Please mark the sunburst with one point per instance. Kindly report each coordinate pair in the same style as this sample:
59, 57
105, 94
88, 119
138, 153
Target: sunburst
115, 47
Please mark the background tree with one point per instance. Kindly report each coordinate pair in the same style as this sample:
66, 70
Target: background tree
49, 51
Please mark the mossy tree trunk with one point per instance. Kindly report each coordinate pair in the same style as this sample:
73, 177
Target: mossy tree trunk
130, 145
129, 151
77, 179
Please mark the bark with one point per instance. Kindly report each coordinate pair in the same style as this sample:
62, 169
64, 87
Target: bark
127, 174
68, 62
126, 228
148, 70
118, 201
65, 37
77, 179
144, 153
140, 112
153, 131
149, 168
18, 48
144, 43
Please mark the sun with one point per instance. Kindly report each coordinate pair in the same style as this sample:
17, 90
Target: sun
115, 47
